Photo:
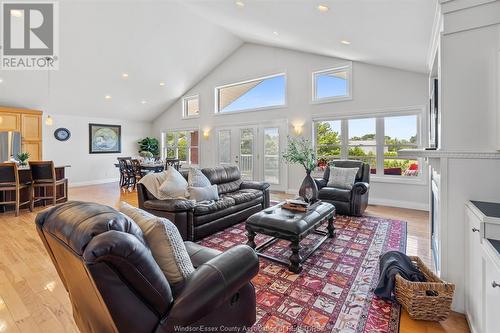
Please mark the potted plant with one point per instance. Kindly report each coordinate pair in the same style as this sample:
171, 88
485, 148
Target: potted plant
300, 151
150, 145
23, 157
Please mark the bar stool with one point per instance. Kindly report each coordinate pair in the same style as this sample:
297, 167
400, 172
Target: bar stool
9, 182
44, 177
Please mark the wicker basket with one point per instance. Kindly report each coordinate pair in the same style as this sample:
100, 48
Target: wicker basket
416, 299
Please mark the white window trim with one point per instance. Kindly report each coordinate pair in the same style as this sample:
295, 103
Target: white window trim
379, 115
281, 106
184, 106
345, 67
165, 146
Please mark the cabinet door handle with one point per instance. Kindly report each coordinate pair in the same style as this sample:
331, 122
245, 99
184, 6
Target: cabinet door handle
475, 230
494, 284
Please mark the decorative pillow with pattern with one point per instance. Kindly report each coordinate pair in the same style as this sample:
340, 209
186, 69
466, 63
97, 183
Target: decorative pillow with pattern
342, 177
165, 242
196, 178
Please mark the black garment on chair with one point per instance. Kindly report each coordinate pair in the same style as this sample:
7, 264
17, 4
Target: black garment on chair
392, 263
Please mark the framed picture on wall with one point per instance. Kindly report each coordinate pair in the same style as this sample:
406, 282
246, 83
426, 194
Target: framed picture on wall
105, 139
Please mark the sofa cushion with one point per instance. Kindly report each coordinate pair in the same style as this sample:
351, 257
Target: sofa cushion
199, 220
214, 206
245, 195
165, 242
334, 194
227, 178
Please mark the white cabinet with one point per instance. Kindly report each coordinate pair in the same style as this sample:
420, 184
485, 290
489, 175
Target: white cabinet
482, 270
473, 277
491, 284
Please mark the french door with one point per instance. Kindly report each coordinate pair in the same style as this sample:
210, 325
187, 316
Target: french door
256, 149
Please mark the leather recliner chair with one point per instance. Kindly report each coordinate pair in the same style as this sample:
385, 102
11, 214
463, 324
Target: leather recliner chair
347, 202
238, 200
115, 285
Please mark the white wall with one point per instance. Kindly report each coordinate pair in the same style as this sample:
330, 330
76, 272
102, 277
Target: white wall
374, 88
89, 168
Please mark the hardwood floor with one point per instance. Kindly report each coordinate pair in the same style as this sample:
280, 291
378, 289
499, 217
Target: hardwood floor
33, 299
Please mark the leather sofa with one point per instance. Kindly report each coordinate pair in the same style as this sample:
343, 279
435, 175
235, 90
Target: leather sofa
347, 202
115, 285
238, 200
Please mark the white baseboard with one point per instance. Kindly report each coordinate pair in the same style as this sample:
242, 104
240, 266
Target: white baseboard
94, 182
385, 202
398, 203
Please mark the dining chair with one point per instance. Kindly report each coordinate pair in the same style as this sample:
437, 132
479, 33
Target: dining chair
122, 170
44, 177
136, 172
175, 162
9, 182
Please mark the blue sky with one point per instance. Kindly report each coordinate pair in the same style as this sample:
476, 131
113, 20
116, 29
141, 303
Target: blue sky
328, 86
270, 92
402, 127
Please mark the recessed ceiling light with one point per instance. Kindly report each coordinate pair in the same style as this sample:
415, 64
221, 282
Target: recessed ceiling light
107, 97
323, 8
240, 3
124, 75
345, 42
16, 13
162, 84
275, 33
143, 102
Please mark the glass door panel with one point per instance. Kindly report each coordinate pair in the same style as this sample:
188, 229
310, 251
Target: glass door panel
247, 155
224, 147
272, 155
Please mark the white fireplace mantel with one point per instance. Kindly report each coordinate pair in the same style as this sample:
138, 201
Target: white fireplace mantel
422, 153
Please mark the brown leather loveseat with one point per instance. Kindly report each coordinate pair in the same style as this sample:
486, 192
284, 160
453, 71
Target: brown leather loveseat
238, 200
115, 285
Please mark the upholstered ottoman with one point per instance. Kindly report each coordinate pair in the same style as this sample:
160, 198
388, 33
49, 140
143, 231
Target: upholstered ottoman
292, 226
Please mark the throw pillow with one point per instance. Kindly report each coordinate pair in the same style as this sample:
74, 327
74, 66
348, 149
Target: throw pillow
196, 178
175, 186
342, 177
165, 243
153, 181
203, 193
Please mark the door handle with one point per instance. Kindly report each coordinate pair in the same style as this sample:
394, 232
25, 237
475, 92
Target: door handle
475, 230
494, 284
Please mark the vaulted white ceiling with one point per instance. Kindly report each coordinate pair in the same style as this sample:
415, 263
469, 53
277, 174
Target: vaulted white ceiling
178, 42
151, 41
394, 33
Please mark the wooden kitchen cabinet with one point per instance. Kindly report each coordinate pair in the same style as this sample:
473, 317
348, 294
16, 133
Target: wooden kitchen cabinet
10, 121
29, 124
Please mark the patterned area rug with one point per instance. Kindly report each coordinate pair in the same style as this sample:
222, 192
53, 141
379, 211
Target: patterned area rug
333, 293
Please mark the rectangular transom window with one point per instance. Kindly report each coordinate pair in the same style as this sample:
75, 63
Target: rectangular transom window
190, 107
261, 93
332, 84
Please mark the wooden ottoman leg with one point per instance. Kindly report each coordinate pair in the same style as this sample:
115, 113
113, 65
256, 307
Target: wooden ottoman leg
251, 238
295, 258
330, 226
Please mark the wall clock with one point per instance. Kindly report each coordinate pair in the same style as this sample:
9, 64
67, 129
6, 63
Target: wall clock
62, 134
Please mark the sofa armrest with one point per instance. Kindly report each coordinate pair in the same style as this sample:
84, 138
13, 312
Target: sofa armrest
247, 184
360, 188
200, 254
212, 284
170, 205
320, 182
